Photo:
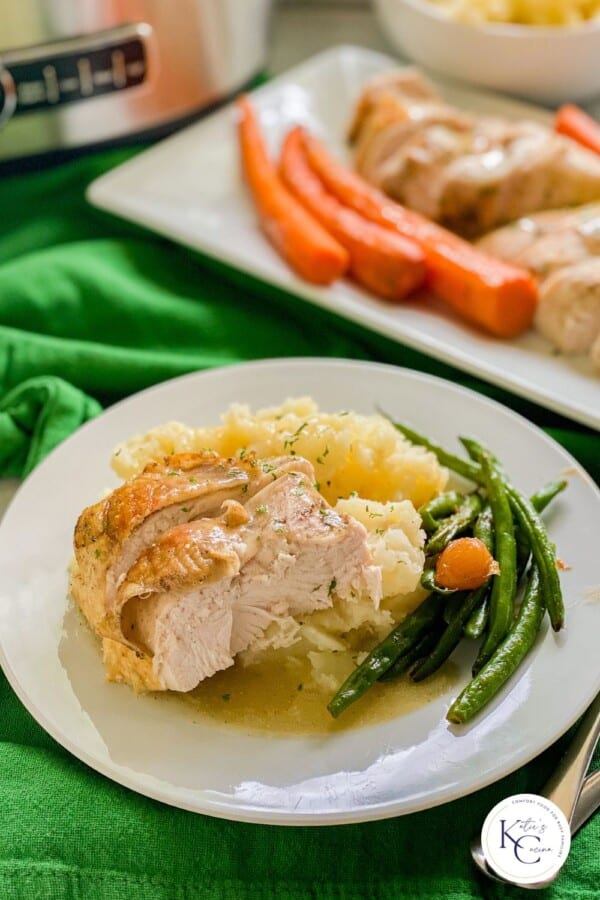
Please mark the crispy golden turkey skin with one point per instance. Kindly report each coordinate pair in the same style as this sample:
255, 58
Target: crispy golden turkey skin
188, 563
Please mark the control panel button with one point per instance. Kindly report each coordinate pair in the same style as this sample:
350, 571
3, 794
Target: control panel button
69, 77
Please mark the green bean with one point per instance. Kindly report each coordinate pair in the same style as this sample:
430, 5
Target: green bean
453, 604
385, 654
503, 585
477, 621
471, 470
429, 583
546, 494
461, 466
484, 527
540, 500
523, 550
451, 636
454, 525
507, 657
543, 553
484, 530
415, 653
438, 508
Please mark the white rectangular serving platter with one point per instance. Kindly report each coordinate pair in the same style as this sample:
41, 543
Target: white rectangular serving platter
189, 188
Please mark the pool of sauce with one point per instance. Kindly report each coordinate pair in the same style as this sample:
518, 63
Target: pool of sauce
277, 698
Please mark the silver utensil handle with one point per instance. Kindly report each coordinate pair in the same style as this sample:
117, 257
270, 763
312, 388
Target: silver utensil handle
588, 803
564, 786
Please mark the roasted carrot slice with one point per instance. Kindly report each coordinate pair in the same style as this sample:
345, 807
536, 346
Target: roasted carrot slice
296, 235
486, 291
576, 124
384, 262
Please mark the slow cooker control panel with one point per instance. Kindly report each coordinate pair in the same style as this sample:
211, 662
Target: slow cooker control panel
76, 69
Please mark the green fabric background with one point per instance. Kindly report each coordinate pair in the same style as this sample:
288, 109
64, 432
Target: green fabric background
92, 309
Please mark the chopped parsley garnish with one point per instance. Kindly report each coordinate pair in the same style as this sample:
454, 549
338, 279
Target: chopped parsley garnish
173, 472
226, 696
185, 509
289, 442
317, 485
261, 509
242, 452
323, 455
300, 686
244, 489
331, 587
97, 553
193, 480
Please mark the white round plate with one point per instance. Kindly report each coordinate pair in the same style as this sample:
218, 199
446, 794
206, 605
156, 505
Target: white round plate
396, 767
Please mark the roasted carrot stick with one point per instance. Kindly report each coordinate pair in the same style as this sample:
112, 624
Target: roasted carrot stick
297, 236
384, 262
576, 124
493, 294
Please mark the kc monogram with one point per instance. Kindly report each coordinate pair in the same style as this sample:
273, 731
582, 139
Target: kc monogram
525, 838
527, 842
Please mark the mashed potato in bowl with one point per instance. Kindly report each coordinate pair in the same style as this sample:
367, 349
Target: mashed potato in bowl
521, 12
365, 469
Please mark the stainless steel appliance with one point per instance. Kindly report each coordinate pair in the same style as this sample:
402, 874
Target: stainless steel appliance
81, 72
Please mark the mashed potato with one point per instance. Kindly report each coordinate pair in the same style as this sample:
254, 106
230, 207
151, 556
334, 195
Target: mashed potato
522, 12
335, 639
352, 454
366, 469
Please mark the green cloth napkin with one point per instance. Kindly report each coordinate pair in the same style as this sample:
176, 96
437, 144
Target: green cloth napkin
92, 309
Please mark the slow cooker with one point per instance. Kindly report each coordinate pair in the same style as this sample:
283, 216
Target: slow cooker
82, 72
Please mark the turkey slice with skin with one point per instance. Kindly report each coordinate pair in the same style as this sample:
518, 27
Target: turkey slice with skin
470, 173
207, 589
111, 534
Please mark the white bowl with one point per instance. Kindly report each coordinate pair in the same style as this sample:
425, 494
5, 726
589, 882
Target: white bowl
550, 65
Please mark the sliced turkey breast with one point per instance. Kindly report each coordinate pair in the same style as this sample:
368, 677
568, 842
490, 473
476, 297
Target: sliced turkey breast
562, 248
111, 534
470, 173
548, 240
568, 313
206, 589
